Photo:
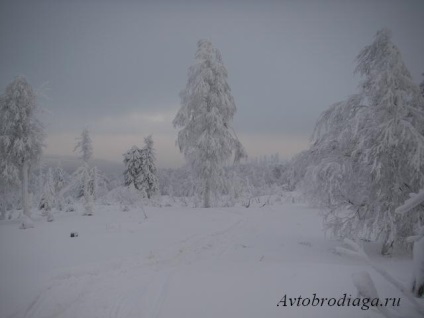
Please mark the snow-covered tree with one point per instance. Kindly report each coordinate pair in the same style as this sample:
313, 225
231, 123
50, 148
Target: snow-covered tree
84, 173
88, 195
59, 184
368, 152
239, 189
48, 199
334, 177
393, 143
94, 182
9, 197
133, 161
59, 178
422, 87
140, 168
148, 171
84, 146
297, 168
207, 108
21, 138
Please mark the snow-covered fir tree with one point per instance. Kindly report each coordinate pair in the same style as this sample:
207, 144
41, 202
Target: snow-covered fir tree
207, 138
84, 173
422, 87
368, 153
48, 196
239, 189
9, 197
88, 195
94, 182
133, 161
21, 138
59, 183
140, 169
59, 178
148, 175
84, 146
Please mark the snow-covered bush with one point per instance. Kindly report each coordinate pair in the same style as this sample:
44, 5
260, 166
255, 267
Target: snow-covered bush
124, 196
238, 189
255, 180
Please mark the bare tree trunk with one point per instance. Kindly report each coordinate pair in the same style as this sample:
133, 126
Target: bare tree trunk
207, 194
26, 217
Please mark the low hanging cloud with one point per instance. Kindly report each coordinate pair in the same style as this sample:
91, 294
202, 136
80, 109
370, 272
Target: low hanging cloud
113, 136
143, 122
259, 144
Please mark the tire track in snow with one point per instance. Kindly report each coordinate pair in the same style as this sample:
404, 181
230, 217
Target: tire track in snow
160, 292
127, 300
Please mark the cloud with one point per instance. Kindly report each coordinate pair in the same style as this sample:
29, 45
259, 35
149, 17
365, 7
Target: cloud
111, 146
142, 122
113, 136
258, 144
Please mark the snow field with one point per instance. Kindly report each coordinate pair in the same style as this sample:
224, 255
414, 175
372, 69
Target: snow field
180, 262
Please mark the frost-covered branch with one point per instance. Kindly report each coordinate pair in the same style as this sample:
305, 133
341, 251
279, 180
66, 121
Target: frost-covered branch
356, 250
414, 200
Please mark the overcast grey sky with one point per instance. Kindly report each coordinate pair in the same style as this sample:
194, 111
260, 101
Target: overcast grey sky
117, 67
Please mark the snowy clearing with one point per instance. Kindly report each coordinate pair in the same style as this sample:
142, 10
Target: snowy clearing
180, 262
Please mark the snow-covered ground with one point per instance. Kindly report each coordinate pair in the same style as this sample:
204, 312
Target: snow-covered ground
180, 263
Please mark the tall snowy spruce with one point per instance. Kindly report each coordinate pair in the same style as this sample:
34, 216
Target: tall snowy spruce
84, 146
48, 196
150, 182
59, 185
368, 152
207, 108
84, 174
21, 138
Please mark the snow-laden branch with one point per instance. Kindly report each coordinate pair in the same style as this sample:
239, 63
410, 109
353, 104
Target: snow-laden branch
357, 251
414, 200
